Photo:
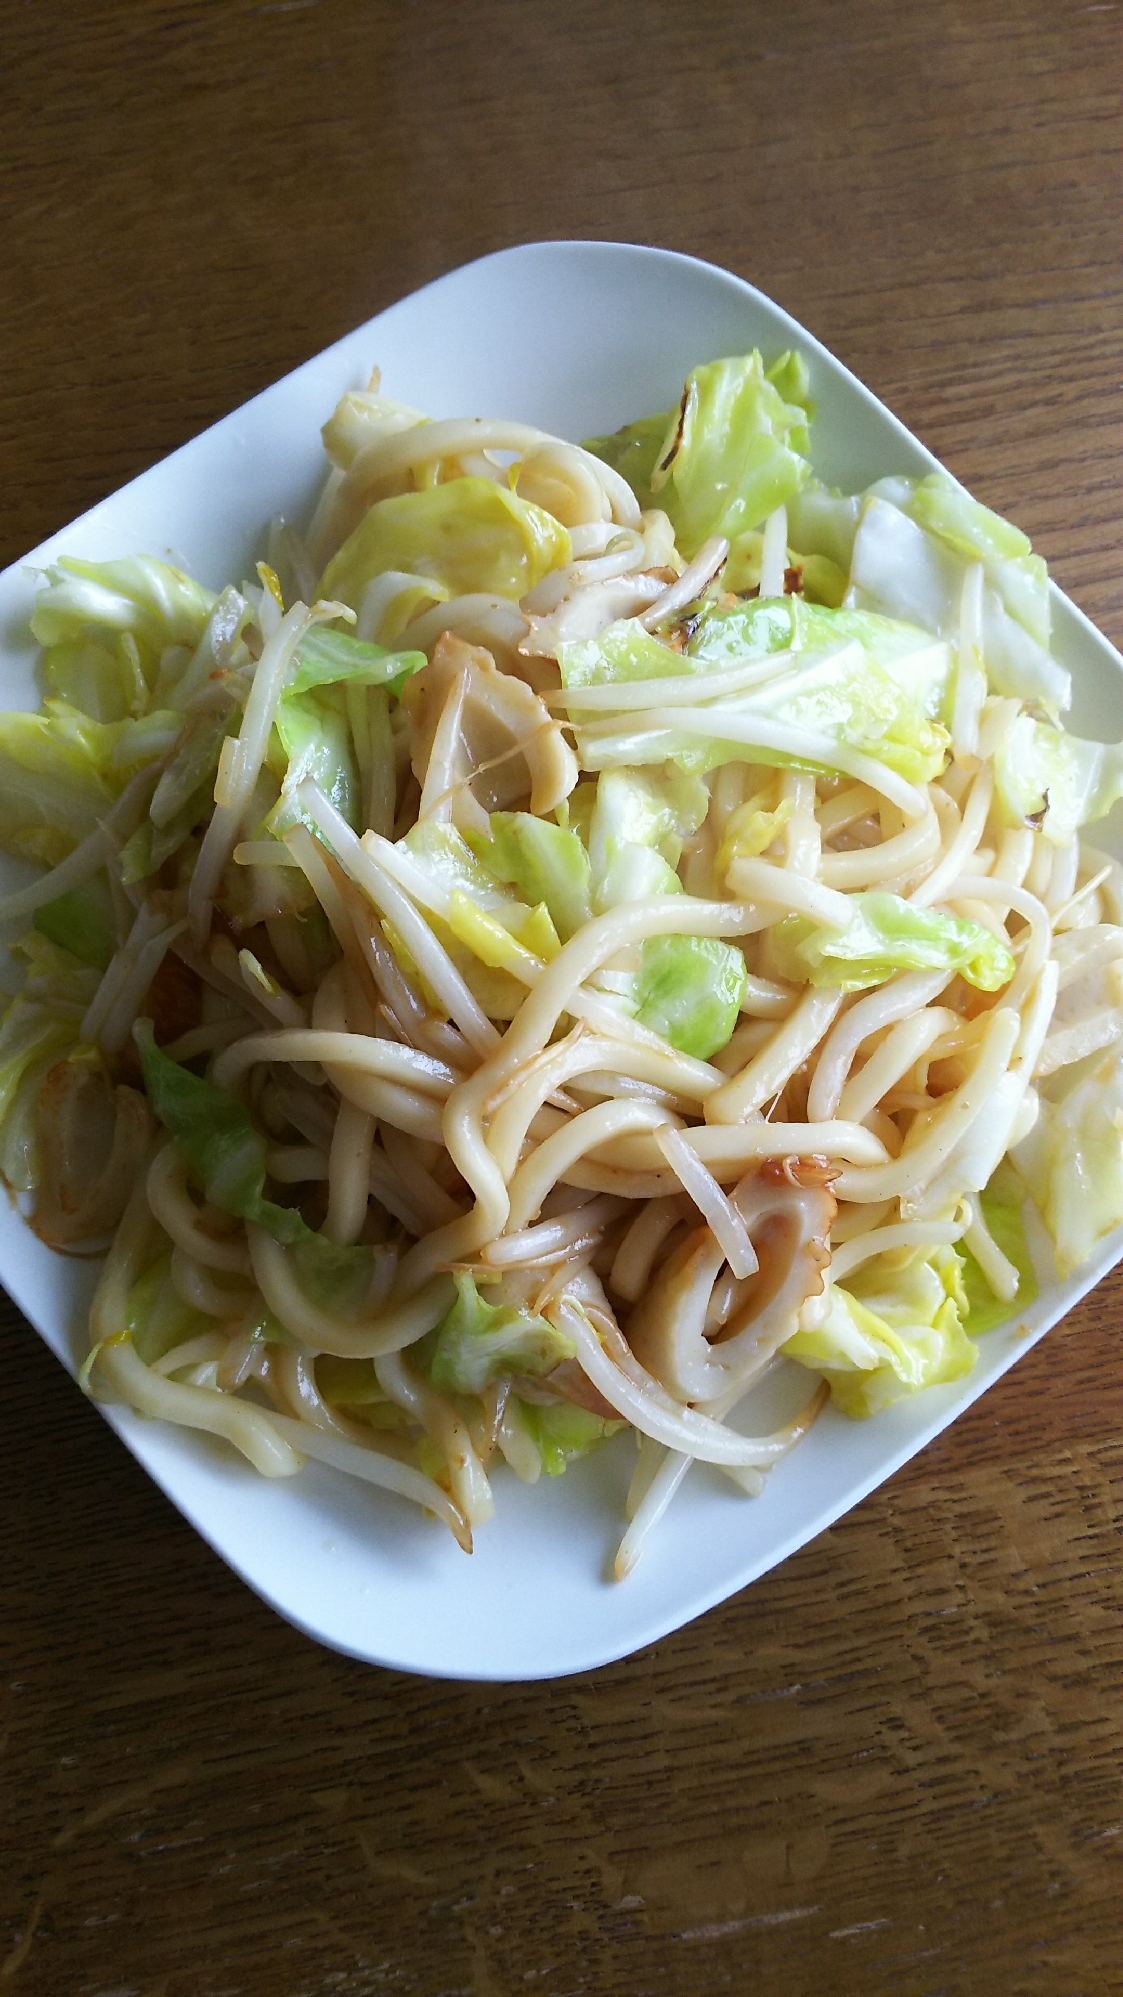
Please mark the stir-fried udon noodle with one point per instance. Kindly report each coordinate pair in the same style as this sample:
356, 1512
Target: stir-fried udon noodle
582, 930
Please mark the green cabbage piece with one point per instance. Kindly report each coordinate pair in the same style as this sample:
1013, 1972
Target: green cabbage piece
312, 732
824, 523
327, 657
851, 697
845, 695
646, 807
470, 534
363, 417
1019, 576
689, 989
543, 861
724, 635
1072, 1159
943, 507
81, 921
350, 1383
489, 933
156, 1317
56, 978
312, 738
1059, 780
632, 873
157, 604
887, 934
479, 1342
625, 651
904, 569
719, 636
1001, 1204
107, 684
563, 1433
733, 451
634, 451
790, 378
60, 772
448, 865
55, 782
143, 739
890, 1332
150, 845
638, 824
216, 1135
821, 580
922, 669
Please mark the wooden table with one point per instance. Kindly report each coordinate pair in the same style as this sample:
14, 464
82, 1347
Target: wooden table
894, 1764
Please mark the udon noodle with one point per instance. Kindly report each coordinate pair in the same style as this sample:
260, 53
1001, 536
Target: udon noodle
556, 950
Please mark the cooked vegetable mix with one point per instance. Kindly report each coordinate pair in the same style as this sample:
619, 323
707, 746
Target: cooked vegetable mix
584, 927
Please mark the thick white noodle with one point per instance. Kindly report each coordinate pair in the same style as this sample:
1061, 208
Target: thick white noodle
900, 998
721, 1216
639, 1399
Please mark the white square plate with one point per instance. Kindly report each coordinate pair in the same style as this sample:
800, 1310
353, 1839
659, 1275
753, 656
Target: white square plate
578, 338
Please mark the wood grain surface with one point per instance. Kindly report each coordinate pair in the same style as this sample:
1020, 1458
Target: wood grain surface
893, 1765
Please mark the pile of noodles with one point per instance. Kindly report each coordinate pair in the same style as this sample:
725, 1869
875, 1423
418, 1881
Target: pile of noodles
674, 1219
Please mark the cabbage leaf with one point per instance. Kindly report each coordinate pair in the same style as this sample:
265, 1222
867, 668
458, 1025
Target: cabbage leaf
328, 657
733, 450
725, 634
55, 781
624, 651
104, 681
546, 863
1072, 1159
495, 940
846, 696
891, 1331
156, 1317
157, 604
887, 934
311, 738
216, 1135
689, 989
479, 1342
904, 569
563, 1433
1047, 776
470, 534
1001, 1203
646, 807
81, 921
